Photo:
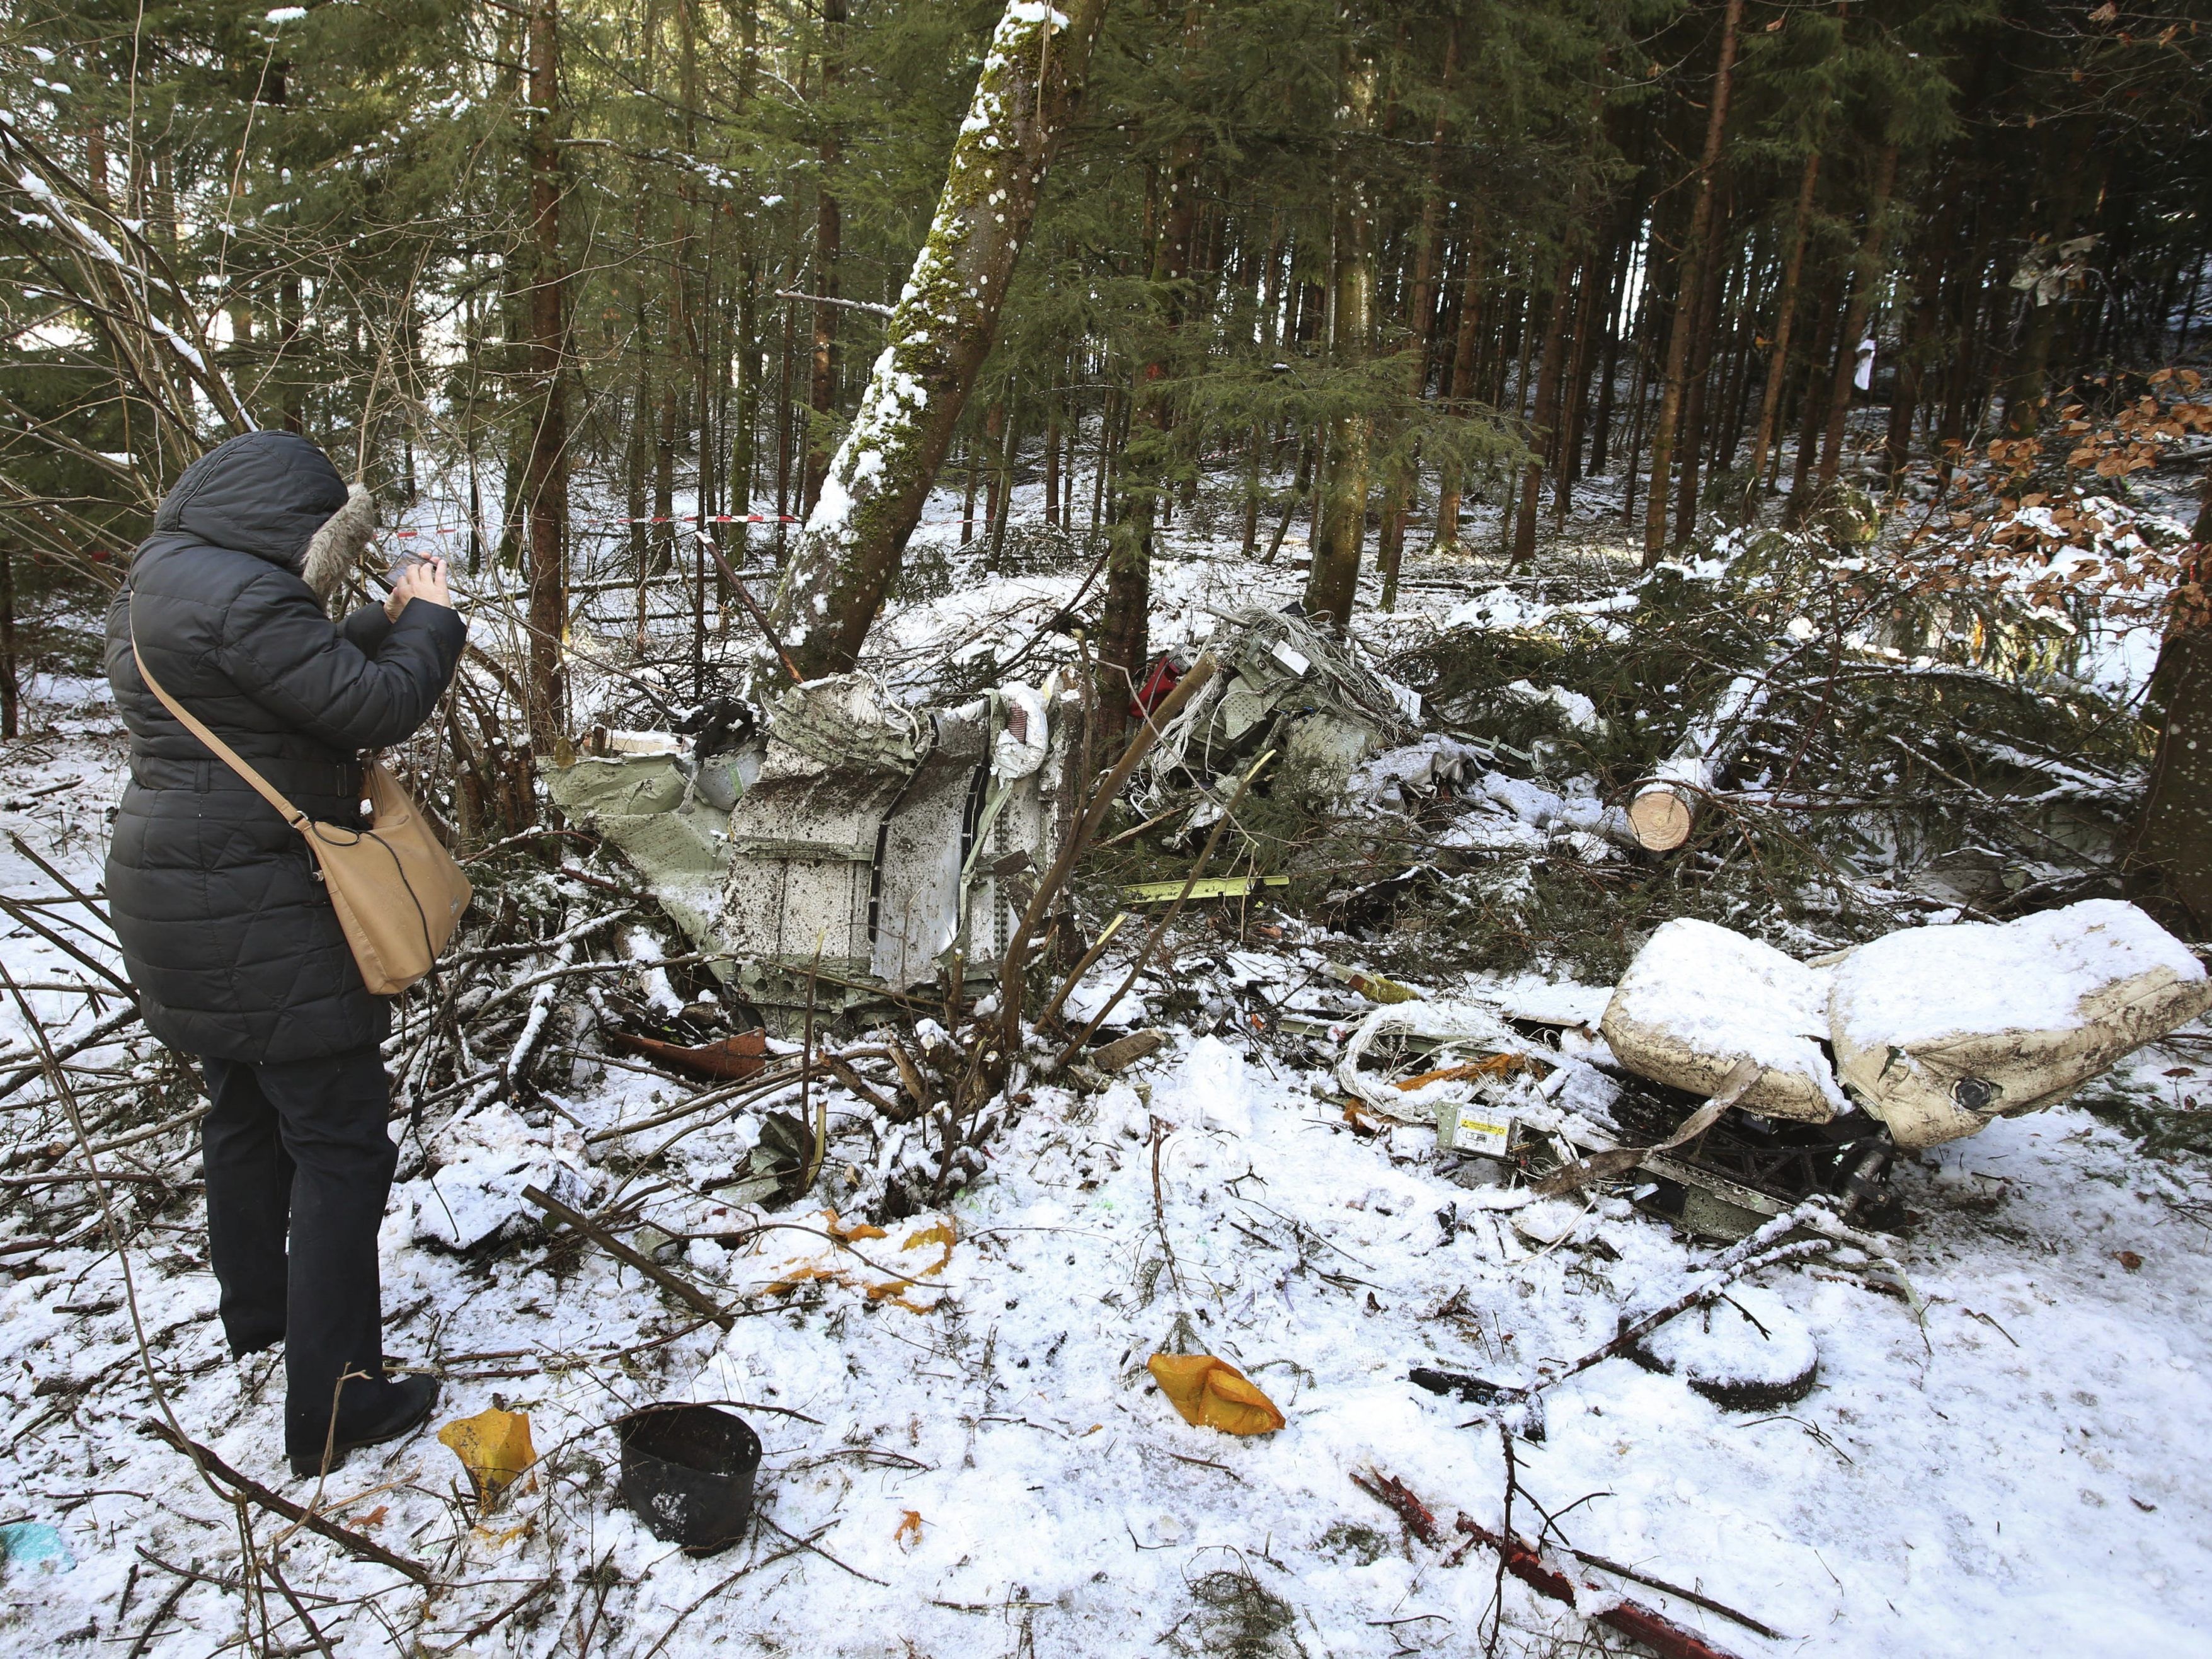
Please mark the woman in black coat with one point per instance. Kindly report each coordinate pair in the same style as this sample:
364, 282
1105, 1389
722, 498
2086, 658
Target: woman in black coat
225, 930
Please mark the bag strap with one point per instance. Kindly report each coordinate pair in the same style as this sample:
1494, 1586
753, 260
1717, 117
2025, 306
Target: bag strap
291, 815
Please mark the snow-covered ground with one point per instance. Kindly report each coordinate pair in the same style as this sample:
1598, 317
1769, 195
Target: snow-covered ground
981, 1462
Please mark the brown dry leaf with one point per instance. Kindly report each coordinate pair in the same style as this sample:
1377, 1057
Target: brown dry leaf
909, 1528
1213, 1394
838, 1262
373, 1518
2128, 1259
494, 1447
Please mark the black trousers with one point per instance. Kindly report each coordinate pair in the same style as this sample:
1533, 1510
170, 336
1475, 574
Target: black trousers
300, 1146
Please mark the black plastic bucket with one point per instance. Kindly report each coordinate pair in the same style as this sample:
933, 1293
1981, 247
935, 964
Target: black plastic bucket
688, 1472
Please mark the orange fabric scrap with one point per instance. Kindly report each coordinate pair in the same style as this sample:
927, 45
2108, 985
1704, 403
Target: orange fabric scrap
1496, 1065
1213, 1394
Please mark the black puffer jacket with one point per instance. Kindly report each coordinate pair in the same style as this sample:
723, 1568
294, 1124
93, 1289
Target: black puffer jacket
226, 933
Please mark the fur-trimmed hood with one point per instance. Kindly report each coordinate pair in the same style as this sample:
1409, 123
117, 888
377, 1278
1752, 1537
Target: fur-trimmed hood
334, 551
277, 496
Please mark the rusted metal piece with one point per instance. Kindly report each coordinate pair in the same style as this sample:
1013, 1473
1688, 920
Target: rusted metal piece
729, 1058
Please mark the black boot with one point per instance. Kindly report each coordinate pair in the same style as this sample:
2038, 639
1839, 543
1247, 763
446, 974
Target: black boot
368, 1415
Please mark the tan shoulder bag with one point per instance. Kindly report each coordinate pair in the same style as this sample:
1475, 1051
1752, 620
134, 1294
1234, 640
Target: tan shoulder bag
398, 894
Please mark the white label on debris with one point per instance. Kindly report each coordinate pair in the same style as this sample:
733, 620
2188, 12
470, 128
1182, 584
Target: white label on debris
1296, 661
1474, 1127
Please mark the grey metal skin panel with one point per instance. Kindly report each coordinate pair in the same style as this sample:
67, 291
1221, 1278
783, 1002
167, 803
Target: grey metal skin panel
1033, 821
676, 841
802, 848
924, 845
857, 854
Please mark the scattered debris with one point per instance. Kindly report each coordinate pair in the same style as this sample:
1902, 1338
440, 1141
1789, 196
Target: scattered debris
28, 1546
864, 847
1698, 1000
495, 1450
1940, 1030
1213, 1394
741, 1056
1290, 688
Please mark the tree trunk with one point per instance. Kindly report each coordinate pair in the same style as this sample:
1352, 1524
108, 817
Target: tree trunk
1398, 488
1688, 291
1866, 277
1911, 372
1694, 400
1602, 418
1786, 314
995, 433
1461, 390
1541, 432
545, 475
634, 498
1333, 582
829, 236
10, 687
1125, 623
1813, 406
2170, 866
747, 409
968, 494
937, 336
1002, 481
1052, 460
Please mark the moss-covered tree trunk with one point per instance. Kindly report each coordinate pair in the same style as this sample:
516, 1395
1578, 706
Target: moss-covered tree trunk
849, 555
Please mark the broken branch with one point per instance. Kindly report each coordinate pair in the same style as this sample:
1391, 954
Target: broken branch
1632, 1619
683, 1290
1102, 798
1160, 928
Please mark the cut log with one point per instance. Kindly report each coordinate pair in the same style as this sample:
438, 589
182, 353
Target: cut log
1665, 806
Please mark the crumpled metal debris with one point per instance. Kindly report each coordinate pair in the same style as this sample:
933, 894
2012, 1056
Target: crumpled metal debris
1290, 688
863, 845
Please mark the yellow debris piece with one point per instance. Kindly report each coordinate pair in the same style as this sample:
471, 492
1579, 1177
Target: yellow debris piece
1213, 1394
494, 1447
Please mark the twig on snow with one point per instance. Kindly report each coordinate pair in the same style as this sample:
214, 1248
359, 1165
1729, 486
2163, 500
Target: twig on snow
683, 1290
344, 1537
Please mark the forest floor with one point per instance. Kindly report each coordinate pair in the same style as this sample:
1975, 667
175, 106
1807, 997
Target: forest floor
968, 1455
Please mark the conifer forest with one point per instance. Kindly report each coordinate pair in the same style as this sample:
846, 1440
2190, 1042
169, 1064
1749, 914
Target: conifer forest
1422, 790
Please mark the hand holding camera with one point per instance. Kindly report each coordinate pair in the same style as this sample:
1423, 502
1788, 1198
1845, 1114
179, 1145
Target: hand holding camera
417, 577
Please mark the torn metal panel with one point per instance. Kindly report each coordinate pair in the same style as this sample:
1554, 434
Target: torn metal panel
877, 844
647, 805
803, 842
925, 840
